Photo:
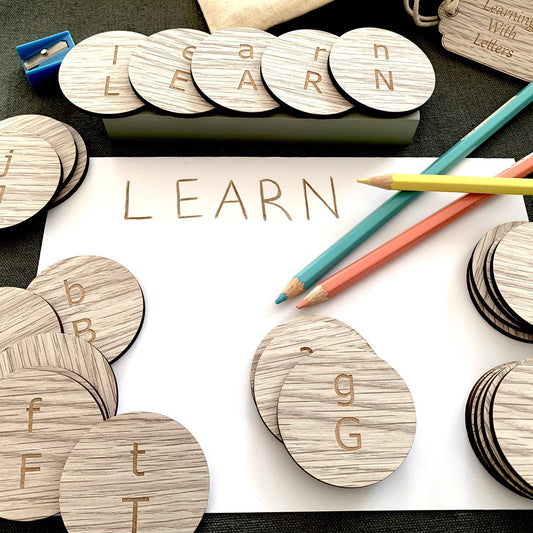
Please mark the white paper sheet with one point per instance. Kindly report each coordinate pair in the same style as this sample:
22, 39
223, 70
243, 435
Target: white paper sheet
210, 283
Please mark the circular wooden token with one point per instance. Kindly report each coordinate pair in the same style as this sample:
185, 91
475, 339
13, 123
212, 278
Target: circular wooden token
160, 71
96, 298
22, 314
30, 173
157, 478
382, 70
79, 172
57, 350
94, 74
56, 133
226, 67
346, 418
295, 341
512, 268
295, 69
43, 415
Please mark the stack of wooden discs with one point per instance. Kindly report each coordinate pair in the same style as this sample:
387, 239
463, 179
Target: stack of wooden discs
345, 416
500, 279
499, 422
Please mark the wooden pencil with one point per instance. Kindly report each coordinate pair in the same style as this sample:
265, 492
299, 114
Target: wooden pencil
404, 241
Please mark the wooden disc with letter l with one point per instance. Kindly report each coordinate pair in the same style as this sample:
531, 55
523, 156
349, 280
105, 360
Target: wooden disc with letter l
382, 70
295, 69
346, 418
30, 173
96, 299
226, 67
94, 74
156, 478
160, 71
43, 415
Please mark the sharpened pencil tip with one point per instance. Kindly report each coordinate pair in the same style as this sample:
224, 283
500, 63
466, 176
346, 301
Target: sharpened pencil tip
366, 181
304, 303
281, 298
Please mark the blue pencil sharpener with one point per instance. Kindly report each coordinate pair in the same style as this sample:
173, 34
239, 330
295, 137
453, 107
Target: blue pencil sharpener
42, 58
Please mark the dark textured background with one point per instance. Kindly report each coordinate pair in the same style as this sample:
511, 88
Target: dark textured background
465, 94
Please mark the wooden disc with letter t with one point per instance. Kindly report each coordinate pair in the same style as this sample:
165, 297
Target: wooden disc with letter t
295, 69
226, 67
382, 70
43, 415
160, 71
156, 478
347, 418
94, 74
96, 299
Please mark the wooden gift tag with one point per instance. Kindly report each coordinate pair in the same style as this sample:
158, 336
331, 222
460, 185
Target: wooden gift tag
96, 299
226, 67
157, 478
346, 418
497, 33
30, 172
382, 70
60, 351
43, 415
160, 71
94, 74
295, 69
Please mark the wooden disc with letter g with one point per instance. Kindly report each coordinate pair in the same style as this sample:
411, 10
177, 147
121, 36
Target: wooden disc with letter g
347, 418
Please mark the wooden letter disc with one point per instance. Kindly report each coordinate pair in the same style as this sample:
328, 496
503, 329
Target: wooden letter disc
382, 70
295, 69
97, 299
43, 415
30, 172
226, 67
94, 74
346, 418
160, 71
156, 478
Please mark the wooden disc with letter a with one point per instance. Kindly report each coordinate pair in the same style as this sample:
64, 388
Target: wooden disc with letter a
136, 472
346, 418
96, 299
43, 415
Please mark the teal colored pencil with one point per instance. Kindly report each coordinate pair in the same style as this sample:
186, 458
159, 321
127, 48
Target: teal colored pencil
357, 235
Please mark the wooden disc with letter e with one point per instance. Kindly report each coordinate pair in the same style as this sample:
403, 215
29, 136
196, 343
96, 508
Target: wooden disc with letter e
94, 74
43, 415
96, 299
156, 478
346, 418
160, 71
382, 70
30, 173
226, 67
295, 69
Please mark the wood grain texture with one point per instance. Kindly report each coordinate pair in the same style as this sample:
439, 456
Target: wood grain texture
30, 173
382, 70
160, 71
94, 74
295, 341
157, 479
226, 67
56, 133
43, 415
347, 418
57, 350
23, 314
295, 69
96, 298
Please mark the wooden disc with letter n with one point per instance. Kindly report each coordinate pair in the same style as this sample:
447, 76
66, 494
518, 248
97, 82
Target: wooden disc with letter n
135, 473
347, 419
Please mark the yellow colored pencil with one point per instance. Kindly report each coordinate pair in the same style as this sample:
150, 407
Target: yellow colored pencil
445, 183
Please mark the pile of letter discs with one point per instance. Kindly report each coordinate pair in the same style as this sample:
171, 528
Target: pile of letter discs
500, 279
345, 415
499, 422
